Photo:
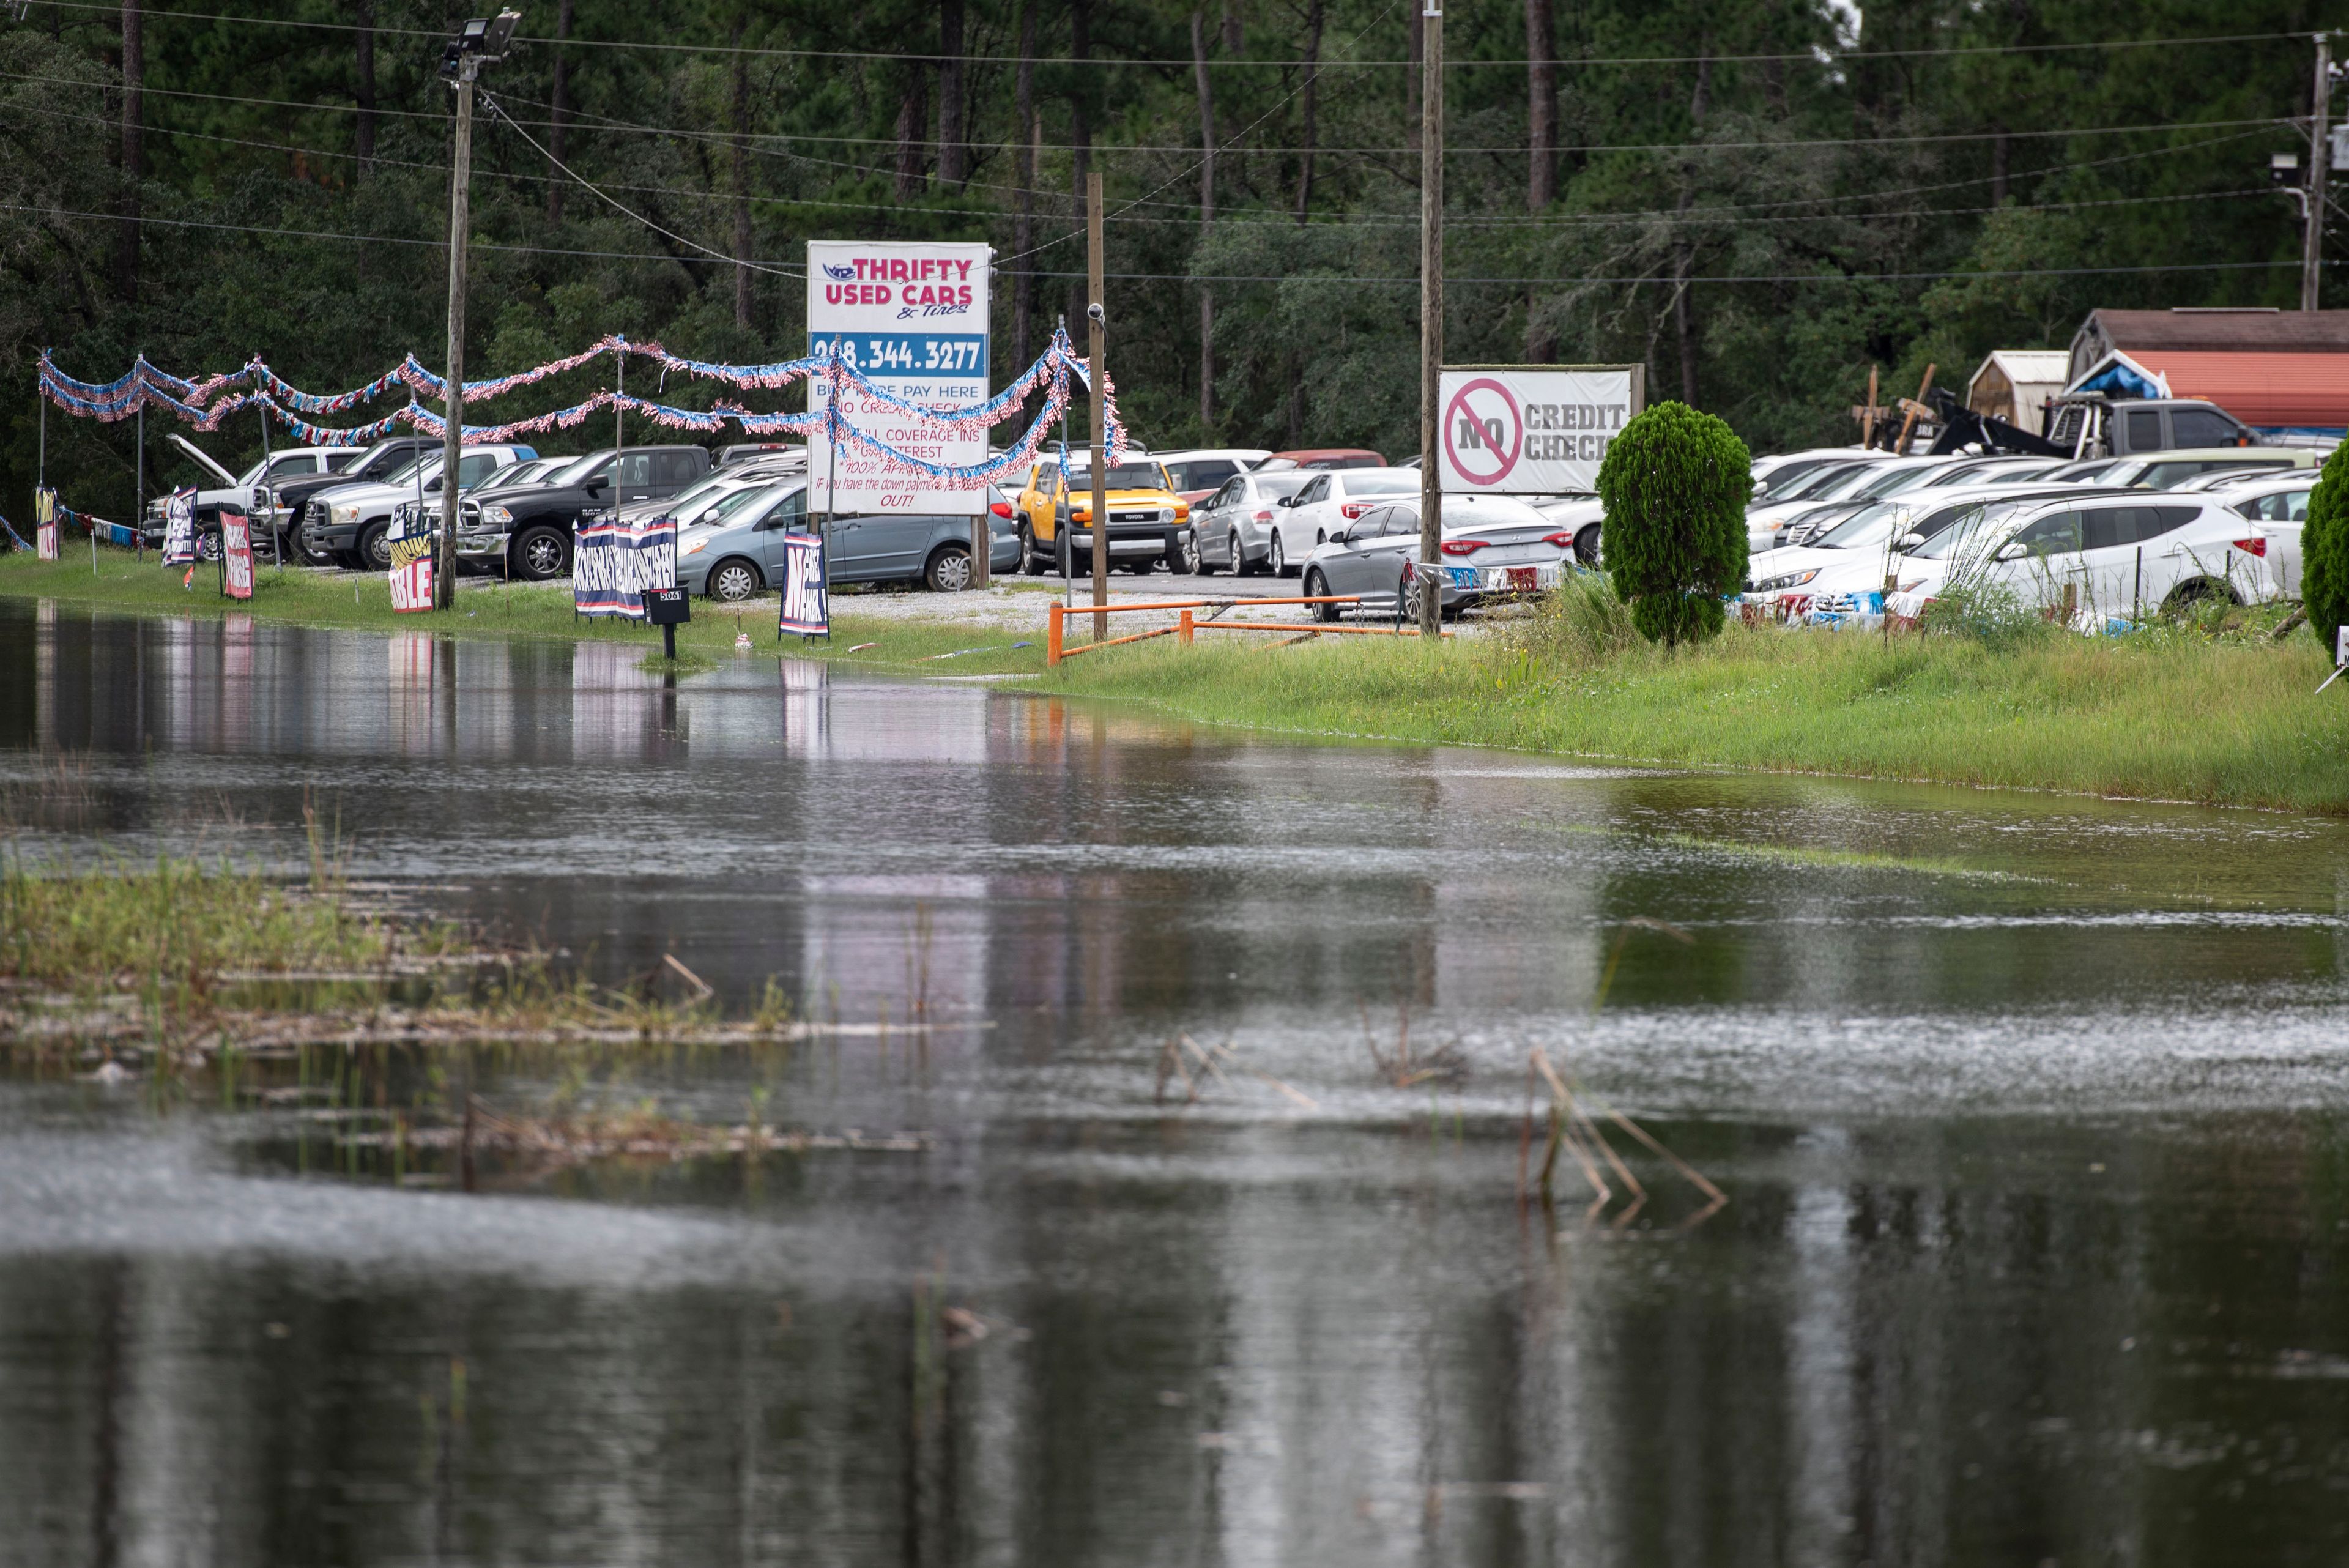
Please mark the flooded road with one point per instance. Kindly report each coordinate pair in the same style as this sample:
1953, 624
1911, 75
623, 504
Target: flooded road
2032, 1112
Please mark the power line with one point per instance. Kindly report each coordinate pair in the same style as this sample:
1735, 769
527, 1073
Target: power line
1348, 278
581, 119
492, 105
1820, 56
1543, 221
341, 234
1449, 280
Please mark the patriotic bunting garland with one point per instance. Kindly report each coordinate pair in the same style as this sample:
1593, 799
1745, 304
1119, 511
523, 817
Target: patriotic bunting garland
194, 403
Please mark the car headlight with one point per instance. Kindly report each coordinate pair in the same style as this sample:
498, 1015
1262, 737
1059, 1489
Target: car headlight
1166, 514
346, 514
496, 516
1791, 580
695, 548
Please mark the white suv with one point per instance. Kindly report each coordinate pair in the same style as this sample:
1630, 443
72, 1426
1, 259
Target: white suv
2117, 557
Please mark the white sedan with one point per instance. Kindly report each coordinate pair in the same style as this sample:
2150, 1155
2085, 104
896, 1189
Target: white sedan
1330, 503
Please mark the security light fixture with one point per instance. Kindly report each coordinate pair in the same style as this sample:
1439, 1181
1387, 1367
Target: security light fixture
2284, 168
483, 39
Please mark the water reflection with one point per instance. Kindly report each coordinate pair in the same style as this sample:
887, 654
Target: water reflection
2029, 1109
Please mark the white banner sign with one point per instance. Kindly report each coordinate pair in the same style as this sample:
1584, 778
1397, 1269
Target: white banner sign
914, 318
1532, 430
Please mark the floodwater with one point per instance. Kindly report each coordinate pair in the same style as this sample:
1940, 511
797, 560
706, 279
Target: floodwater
2031, 1113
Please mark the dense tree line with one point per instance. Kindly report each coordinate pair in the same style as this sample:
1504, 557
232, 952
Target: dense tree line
1757, 201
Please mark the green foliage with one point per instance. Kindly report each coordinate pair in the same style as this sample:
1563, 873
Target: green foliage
1989, 613
1583, 622
2324, 552
1675, 483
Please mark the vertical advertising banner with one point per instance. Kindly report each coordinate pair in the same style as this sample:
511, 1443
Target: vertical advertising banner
613, 563
1532, 430
45, 524
806, 609
914, 318
411, 541
236, 554
179, 529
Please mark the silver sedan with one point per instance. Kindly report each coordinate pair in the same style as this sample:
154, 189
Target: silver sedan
1494, 547
1234, 525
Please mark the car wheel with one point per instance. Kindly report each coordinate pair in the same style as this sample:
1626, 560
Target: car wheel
375, 547
1410, 602
539, 553
1585, 544
1316, 586
208, 547
1032, 560
1186, 559
734, 581
949, 571
1240, 556
1276, 559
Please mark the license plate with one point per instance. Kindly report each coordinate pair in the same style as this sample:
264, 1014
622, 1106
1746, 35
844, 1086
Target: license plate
1462, 576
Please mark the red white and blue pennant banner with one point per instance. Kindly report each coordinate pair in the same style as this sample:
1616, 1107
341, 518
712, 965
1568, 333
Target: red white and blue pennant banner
846, 386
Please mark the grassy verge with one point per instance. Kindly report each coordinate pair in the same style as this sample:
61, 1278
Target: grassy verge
362, 602
2197, 712
2171, 714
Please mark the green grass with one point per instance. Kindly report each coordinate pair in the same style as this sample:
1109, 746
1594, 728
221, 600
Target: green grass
2170, 716
2212, 712
362, 602
171, 930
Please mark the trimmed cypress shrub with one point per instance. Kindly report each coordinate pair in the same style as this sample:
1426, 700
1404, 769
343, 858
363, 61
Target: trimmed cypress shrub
1675, 483
2324, 552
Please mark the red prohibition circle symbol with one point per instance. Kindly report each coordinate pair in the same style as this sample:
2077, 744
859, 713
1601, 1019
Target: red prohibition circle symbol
1457, 410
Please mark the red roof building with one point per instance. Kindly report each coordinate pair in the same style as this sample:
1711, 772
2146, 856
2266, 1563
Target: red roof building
2273, 370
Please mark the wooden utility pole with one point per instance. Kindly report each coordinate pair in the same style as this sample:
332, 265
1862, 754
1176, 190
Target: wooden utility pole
2311, 239
1431, 328
1097, 328
444, 566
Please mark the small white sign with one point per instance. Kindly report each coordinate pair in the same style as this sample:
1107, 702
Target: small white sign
2341, 648
1532, 430
913, 318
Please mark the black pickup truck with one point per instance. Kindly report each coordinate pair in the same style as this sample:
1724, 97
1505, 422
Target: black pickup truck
528, 530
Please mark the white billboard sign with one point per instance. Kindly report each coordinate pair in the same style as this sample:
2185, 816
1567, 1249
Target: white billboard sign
1532, 430
914, 318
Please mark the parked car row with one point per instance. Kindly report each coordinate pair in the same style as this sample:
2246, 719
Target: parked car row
2117, 537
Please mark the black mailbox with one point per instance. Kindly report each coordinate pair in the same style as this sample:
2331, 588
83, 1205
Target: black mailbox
666, 607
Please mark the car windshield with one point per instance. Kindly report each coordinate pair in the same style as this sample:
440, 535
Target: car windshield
1381, 484
1847, 482
1121, 476
1970, 525
406, 473
1868, 525
1894, 480
726, 506
580, 468
1824, 484
716, 484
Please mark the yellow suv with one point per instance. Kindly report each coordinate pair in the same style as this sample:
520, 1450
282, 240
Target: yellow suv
1148, 522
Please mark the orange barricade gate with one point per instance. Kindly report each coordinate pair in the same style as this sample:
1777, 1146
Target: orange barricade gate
1186, 625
